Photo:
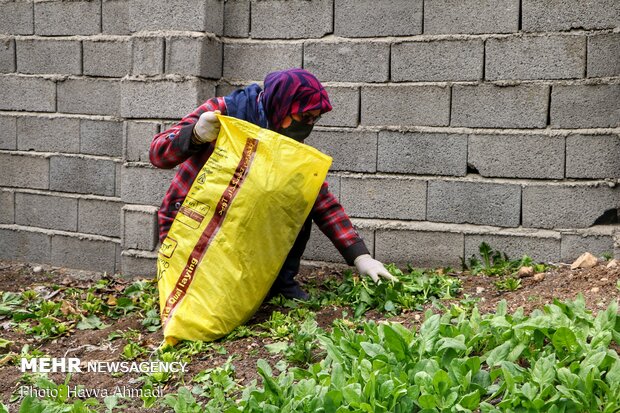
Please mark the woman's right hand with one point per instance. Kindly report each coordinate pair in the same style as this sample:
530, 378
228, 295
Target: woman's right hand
207, 128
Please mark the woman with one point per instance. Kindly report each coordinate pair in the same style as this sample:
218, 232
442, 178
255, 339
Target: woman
291, 103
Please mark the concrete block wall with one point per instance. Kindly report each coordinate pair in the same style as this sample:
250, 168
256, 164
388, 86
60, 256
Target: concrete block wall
454, 121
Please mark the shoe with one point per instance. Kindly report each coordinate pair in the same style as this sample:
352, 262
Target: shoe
289, 288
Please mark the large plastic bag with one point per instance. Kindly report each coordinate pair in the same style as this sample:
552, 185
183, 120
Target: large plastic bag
234, 230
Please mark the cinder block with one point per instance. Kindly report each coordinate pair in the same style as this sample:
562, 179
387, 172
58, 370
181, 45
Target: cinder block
369, 18
107, 58
115, 18
419, 248
90, 96
554, 15
118, 180
573, 245
18, 245
517, 156
163, 99
46, 211
148, 55
194, 56
584, 106
422, 153
237, 18
141, 266
535, 57
83, 253
48, 134
24, 171
604, 55
386, 198
101, 137
140, 230
27, 93
348, 61
145, 185
17, 17
567, 206
291, 19
7, 55
82, 175
593, 156
353, 151
345, 106
138, 138
100, 217
8, 136
539, 248
405, 105
225, 89
7, 207
471, 16
320, 248
252, 61
182, 15
474, 203
437, 60
49, 56
67, 18
487, 105
333, 184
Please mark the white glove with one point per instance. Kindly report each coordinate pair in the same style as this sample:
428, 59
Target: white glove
366, 265
206, 128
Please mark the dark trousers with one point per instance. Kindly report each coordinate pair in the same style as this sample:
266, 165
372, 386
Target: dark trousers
291, 265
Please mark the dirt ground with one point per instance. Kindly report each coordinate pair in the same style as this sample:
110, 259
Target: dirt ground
599, 286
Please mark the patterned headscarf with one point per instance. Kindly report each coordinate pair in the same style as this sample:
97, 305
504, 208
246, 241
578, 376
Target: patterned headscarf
292, 91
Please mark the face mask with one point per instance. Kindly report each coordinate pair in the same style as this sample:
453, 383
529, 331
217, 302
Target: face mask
297, 130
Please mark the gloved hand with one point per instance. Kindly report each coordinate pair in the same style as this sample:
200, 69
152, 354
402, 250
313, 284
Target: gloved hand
206, 128
366, 265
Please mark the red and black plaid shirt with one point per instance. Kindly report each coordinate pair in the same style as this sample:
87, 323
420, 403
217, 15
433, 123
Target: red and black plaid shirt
173, 147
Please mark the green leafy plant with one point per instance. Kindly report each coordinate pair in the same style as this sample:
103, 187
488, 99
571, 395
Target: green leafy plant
496, 263
508, 284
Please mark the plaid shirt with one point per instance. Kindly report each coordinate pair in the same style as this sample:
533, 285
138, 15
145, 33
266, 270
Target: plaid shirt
173, 147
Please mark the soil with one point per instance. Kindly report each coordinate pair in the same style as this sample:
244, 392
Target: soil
598, 286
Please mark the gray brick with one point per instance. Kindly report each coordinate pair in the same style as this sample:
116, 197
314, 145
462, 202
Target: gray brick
17, 245
138, 137
27, 93
84, 176
100, 217
163, 99
345, 106
405, 105
419, 248
573, 245
44, 211
225, 88
604, 55
593, 156
7, 55
471, 16
83, 253
370, 18
91, 96
144, 185
183, 15
67, 18
422, 153
49, 56
291, 19
115, 19
101, 137
474, 203
194, 56
118, 180
384, 198
140, 230
107, 58
24, 171
237, 18
8, 132
536, 57
333, 183
353, 151
7, 207
583, 106
148, 55
521, 106
517, 156
437, 60
566, 206
320, 248
554, 15
48, 134
252, 61
539, 248
17, 17
348, 61
134, 266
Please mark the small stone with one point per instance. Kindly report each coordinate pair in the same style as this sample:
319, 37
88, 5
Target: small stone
539, 277
601, 305
595, 290
480, 290
613, 264
417, 317
525, 272
586, 260
37, 269
604, 279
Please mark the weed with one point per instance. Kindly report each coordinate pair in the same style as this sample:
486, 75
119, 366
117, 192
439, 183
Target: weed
508, 284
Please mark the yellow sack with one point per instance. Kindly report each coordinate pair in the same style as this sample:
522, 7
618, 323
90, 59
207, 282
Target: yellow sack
234, 230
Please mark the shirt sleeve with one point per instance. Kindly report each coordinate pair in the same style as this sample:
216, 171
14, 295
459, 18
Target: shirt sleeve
330, 217
173, 146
